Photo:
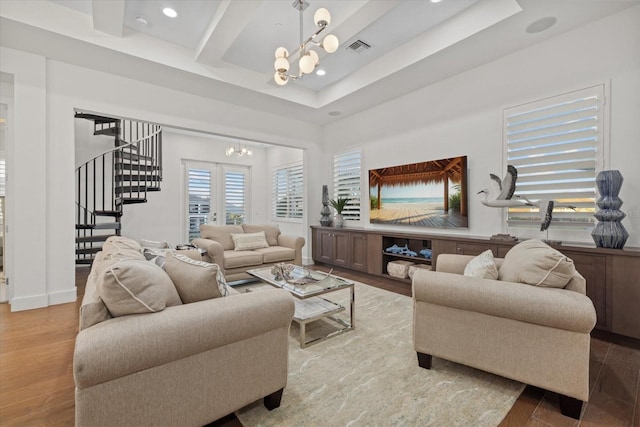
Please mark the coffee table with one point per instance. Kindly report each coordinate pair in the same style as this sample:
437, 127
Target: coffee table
310, 306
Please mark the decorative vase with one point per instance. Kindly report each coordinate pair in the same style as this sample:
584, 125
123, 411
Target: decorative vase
609, 232
338, 221
325, 220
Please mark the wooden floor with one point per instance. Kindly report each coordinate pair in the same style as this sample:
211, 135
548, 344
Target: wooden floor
418, 217
36, 376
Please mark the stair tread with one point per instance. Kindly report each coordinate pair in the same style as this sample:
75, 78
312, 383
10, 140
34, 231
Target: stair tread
97, 118
93, 239
100, 226
86, 251
108, 213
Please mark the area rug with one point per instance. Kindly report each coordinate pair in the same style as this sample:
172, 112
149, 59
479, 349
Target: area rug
370, 377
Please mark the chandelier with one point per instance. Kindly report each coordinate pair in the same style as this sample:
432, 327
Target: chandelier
238, 151
308, 57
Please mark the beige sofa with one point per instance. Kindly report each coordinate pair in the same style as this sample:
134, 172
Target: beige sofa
535, 335
186, 365
218, 240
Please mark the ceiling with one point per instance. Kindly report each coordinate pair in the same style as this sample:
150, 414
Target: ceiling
224, 49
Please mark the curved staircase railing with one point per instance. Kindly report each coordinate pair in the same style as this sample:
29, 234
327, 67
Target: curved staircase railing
116, 177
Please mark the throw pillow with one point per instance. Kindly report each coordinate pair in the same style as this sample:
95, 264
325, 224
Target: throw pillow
220, 233
271, 232
154, 244
482, 266
249, 241
535, 263
133, 286
156, 256
195, 280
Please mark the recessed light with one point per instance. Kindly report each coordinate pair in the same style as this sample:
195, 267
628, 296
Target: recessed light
436, 1
541, 24
334, 113
321, 72
142, 20
170, 12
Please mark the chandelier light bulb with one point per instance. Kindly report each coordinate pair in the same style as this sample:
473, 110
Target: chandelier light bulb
307, 64
281, 65
322, 17
281, 79
282, 52
330, 43
314, 57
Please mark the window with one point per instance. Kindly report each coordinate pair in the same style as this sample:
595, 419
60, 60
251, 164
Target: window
346, 181
199, 196
235, 197
288, 192
556, 144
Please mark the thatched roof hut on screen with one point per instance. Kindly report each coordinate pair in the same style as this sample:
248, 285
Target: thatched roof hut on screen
430, 194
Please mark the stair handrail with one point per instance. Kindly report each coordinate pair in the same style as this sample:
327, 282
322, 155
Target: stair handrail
123, 146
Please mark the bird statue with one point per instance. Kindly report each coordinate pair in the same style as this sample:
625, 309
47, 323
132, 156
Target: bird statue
501, 195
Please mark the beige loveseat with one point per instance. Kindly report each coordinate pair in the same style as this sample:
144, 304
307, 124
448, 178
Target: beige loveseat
535, 335
184, 365
274, 247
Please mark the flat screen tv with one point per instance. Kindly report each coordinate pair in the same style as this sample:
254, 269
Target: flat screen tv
427, 194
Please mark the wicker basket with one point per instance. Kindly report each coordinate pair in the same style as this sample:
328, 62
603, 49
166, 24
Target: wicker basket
399, 268
413, 268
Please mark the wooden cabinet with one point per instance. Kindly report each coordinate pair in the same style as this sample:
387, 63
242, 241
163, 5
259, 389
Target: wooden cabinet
624, 307
358, 251
613, 275
466, 248
341, 248
593, 269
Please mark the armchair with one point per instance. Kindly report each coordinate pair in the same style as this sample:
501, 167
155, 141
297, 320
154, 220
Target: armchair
535, 335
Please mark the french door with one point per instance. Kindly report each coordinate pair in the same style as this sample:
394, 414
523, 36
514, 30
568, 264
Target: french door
216, 194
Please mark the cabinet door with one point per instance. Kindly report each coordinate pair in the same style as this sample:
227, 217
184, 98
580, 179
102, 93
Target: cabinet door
625, 293
341, 249
463, 248
358, 243
325, 246
594, 269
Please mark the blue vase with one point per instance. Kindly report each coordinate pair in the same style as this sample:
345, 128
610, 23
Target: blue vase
609, 232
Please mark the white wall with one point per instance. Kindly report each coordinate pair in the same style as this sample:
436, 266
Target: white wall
463, 116
46, 94
278, 157
163, 217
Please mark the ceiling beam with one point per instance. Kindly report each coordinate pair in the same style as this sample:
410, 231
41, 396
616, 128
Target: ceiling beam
229, 21
108, 16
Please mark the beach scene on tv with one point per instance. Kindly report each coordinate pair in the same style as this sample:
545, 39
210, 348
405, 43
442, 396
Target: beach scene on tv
426, 194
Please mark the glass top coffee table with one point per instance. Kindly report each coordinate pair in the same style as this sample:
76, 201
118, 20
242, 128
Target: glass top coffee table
310, 306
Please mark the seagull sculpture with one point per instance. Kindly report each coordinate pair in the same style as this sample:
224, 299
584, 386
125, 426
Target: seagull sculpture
501, 192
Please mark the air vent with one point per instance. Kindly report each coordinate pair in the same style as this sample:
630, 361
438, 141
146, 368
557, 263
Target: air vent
359, 46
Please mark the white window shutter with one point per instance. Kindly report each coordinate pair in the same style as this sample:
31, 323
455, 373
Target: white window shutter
556, 145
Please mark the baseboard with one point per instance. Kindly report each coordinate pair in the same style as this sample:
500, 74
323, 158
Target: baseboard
29, 303
63, 297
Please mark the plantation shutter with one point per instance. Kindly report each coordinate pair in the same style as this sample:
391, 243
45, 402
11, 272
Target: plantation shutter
235, 197
288, 192
346, 181
556, 145
199, 189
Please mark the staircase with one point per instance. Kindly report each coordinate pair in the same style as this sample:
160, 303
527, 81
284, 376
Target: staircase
120, 176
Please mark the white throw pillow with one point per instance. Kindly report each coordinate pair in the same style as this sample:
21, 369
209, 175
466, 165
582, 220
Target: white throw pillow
249, 241
482, 266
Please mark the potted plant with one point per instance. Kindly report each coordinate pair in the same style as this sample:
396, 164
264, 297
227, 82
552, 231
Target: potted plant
339, 204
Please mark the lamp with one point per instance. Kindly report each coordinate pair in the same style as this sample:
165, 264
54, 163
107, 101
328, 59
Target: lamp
309, 59
238, 151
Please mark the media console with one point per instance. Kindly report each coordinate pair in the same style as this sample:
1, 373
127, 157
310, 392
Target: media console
613, 275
